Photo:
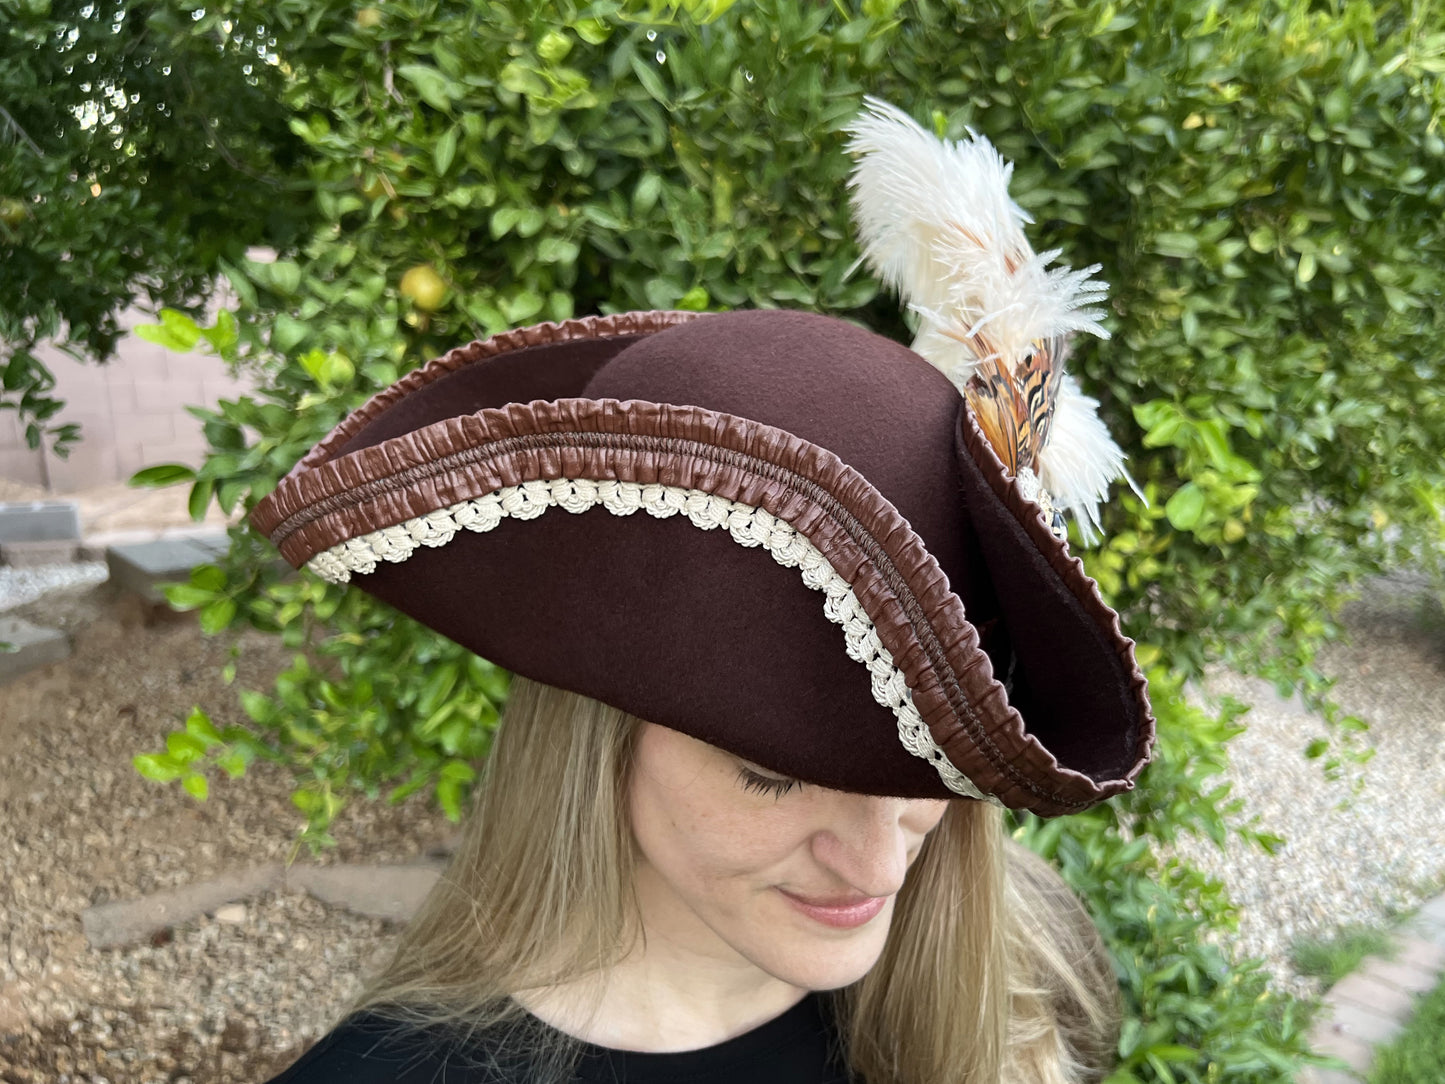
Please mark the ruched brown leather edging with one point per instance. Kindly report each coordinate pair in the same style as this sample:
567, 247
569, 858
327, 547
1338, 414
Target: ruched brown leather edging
919, 619
1070, 571
620, 325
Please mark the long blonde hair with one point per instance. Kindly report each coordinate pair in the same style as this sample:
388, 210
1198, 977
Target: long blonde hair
992, 972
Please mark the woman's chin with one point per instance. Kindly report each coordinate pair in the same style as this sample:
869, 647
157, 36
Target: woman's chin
826, 968
815, 956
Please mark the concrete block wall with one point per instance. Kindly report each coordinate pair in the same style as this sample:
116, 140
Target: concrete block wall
131, 412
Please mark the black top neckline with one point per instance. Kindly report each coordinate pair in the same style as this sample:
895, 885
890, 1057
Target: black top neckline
728, 1059
800, 1046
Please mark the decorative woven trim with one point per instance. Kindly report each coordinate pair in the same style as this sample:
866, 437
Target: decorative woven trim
748, 526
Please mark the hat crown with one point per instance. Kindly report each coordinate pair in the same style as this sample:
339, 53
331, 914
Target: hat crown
874, 403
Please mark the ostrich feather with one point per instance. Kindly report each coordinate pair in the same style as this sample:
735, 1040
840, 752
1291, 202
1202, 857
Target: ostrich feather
937, 224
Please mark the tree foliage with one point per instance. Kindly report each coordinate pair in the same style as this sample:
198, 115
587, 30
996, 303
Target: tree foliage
138, 150
1261, 182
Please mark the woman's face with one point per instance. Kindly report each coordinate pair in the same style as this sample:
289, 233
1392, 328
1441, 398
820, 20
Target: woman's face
737, 862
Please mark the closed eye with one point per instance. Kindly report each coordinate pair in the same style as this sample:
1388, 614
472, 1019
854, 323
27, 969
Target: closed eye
776, 786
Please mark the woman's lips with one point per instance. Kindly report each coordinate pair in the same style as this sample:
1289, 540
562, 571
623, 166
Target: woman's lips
842, 914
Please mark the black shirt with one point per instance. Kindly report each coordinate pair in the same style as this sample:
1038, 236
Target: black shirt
798, 1047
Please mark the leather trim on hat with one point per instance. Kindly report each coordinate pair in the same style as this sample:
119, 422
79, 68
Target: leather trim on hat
896, 580
621, 326
1095, 618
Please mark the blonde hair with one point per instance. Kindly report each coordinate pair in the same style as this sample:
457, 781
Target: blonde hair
992, 973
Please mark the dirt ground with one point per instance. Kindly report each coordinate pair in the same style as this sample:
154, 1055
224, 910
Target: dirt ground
212, 1002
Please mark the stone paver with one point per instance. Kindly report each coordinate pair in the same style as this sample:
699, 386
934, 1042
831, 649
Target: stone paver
1402, 976
391, 892
1354, 1052
1366, 1025
1372, 1005
39, 521
128, 921
1364, 992
1422, 953
1313, 1075
32, 645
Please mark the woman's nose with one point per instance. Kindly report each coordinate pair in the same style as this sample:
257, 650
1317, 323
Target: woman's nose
866, 844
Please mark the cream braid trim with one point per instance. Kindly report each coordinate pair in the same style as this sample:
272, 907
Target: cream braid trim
747, 525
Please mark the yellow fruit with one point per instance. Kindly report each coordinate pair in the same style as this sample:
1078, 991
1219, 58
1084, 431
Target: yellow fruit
423, 287
13, 212
367, 18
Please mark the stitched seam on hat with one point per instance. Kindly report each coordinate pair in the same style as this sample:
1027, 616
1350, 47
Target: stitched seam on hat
918, 621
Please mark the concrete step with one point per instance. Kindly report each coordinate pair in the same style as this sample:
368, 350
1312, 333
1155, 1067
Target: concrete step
39, 521
140, 567
31, 647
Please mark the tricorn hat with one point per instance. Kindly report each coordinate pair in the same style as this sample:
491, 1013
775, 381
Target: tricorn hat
774, 531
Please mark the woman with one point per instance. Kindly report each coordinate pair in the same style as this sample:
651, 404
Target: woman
794, 869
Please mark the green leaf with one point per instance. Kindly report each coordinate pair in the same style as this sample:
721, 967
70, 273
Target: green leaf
199, 500
1178, 245
196, 786
434, 87
218, 615
184, 596
1305, 271
285, 276
257, 705
649, 78
286, 332
695, 300
208, 578
644, 196
165, 474
522, 79
445, 150
1263, 239
184, 747
199, 725
1185, 507
554, 46
176, 332
158, 767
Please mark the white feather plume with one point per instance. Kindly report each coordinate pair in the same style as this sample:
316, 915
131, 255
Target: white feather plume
936, 222
1080, 460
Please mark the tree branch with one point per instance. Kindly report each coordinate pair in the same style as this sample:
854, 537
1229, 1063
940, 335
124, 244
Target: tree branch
14, 126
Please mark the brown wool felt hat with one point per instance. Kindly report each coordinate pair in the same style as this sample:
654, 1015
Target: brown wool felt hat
774, 531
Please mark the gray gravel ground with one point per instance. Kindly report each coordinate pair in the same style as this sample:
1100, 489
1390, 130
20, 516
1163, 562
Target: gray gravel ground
213, 1002
1349, 857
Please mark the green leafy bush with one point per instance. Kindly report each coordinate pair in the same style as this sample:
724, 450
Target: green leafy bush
1260, 181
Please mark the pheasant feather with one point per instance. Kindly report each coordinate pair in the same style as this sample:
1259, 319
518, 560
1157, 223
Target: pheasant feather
938, 225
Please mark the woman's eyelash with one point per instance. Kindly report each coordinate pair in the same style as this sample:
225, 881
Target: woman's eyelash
765, 784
